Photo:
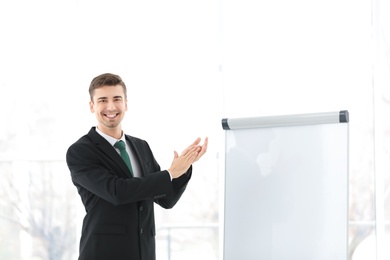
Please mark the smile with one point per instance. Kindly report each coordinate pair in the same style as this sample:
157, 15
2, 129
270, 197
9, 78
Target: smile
111, 116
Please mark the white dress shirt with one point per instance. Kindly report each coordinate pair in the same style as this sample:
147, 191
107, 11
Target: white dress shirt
134, 161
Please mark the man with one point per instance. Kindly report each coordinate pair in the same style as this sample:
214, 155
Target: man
119, 193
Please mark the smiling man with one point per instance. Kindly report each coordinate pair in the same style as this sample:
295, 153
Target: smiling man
119, 180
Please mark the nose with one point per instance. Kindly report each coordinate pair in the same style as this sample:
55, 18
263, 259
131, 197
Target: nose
110, 105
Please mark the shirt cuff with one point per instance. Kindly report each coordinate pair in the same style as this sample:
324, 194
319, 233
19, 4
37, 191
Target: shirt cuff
170, 175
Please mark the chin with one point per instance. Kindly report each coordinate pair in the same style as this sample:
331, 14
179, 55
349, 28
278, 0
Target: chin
112, 126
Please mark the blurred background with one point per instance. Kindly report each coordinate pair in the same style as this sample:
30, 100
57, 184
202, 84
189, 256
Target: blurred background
187, 64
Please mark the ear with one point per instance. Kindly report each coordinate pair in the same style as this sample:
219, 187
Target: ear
91, 106
126, 104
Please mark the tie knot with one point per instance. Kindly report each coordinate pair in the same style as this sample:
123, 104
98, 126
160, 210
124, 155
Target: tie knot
120, 145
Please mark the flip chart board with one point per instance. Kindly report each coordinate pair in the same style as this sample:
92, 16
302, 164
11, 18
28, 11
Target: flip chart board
286, 187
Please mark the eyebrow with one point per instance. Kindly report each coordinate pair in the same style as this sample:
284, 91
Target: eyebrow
100, 98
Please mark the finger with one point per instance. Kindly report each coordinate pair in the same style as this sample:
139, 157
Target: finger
202, 150
197, 141
190, 149
205, 143
191, 156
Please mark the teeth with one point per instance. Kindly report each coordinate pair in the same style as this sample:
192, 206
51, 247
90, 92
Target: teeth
111, 116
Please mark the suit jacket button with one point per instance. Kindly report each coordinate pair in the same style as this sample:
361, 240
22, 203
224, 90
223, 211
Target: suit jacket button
141, 208
141, 231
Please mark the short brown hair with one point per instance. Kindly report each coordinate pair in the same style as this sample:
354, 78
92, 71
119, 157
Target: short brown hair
106, 79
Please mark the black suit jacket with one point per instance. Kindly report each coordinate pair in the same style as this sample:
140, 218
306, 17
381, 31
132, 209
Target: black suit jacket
119, 221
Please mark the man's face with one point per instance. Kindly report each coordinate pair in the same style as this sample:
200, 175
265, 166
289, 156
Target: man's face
109, 105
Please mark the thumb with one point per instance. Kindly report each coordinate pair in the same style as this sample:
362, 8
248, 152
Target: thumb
175, 155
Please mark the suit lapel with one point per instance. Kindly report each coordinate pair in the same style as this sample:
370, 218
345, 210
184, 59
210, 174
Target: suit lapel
105, 147
137, 153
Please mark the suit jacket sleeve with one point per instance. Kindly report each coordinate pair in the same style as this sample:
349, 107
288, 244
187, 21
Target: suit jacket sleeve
178, 185
94, 173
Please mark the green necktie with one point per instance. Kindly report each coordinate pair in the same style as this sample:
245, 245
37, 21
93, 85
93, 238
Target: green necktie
125, 156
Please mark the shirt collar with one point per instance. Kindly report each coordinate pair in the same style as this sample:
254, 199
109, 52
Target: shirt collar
110, 139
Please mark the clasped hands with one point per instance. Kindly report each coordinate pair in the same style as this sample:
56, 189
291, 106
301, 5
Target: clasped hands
191, 154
